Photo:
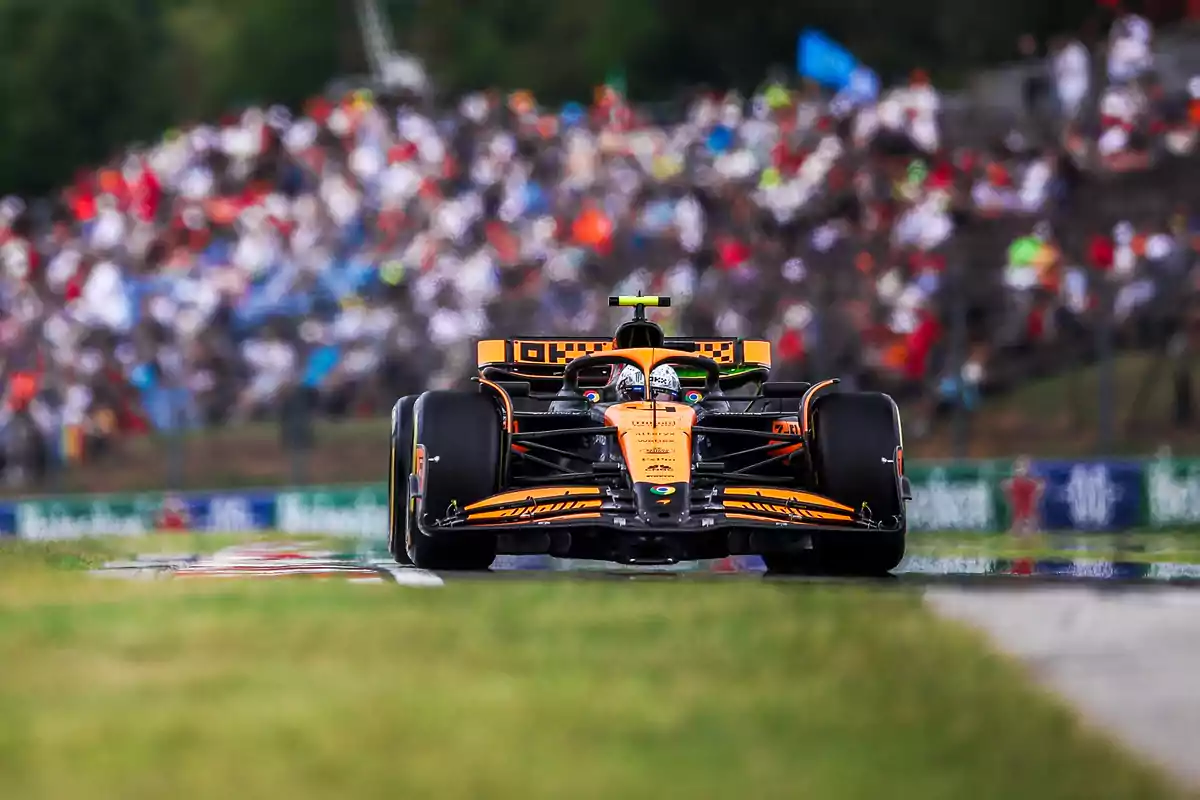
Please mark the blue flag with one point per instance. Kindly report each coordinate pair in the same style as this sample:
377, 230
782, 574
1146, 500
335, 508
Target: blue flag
825, 61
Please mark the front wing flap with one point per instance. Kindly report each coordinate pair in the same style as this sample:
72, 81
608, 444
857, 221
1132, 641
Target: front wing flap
719, 507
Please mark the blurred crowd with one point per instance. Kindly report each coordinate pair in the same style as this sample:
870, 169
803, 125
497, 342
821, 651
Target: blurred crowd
344, 253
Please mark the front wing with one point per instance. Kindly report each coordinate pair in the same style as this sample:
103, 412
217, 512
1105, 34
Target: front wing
726, 520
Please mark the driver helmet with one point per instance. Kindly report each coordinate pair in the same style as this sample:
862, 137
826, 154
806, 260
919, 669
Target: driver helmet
664, 384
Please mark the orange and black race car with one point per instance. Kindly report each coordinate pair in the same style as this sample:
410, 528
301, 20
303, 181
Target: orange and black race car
560, 449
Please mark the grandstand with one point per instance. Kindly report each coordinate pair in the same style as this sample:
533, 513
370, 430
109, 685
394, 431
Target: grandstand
295, 265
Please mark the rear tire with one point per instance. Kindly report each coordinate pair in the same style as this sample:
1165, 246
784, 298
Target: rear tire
399, 468
462, 437
855, 436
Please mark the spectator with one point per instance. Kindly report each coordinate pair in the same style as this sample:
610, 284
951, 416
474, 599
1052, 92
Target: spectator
1129, 47
1072, 76
355, 248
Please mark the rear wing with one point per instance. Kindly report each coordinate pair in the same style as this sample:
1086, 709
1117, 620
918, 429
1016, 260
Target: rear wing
542, 358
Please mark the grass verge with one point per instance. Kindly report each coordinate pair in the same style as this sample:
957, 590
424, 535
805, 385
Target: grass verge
18, 555
528, 689
1181, 547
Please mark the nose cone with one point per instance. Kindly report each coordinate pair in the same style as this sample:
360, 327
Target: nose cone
662, 505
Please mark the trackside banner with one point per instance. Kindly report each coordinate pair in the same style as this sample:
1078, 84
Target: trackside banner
1053, 495
982, 496
352, 511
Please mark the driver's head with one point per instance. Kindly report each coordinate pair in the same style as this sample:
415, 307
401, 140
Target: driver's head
664, 384
630, 384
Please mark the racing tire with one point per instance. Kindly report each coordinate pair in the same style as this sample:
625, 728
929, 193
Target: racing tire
399, 468
855, 437
462, 436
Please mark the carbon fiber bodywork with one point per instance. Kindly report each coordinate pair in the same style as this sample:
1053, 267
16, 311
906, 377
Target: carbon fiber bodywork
576, 471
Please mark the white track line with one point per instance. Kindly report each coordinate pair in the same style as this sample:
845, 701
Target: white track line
411, 576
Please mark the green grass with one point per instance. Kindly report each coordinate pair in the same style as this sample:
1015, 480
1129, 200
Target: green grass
1175, 547
1075, 394
228, 457
17, 556
529, 689
1059, 416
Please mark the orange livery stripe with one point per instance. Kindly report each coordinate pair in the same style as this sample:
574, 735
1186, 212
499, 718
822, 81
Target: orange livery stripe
785, 495
533, 495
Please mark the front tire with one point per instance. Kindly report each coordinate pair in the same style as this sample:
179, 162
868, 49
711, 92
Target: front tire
461, 435
399, 468
855, 439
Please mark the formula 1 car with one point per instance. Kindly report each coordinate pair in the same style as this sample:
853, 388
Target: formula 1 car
543, 457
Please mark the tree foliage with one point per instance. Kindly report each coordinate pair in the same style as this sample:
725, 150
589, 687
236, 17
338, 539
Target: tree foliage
563, 49
80, 78
77, 79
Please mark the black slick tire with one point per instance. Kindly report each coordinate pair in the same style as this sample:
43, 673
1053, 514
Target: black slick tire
855, 436
461, 436
399, 467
